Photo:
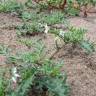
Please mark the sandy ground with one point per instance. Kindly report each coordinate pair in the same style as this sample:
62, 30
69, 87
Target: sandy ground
81, 69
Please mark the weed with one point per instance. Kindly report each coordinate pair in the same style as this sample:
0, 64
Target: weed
37, 75
4, 50
74, 36
85, 4
11, 6
88, 46
26, 16
30, 4
55, 17
26, 42
30, 29
45, 78
2, 87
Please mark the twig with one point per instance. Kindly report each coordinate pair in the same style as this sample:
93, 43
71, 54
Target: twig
52, 56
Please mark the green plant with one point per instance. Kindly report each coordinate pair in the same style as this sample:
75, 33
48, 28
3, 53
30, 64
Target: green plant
3, 49
75, 6
3, 81
72, 8
30, 28
55, 17
42, 79
43, 5
88, 46
82, 3
11, 6
26, 16
86, 4
30, 4
52, 4
38, 75
75, 37
26, 42
2, 87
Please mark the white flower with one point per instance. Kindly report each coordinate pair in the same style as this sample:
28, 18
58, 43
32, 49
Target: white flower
14, 79
15, 75
46, 28
14, 70
62, 33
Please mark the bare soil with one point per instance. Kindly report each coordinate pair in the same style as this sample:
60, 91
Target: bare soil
80, 68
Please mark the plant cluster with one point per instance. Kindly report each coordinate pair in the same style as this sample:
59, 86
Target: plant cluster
86, 4
33, 74
11, 6
75, 37
55, 17
30, 29
71, 7
38, 22
50, 4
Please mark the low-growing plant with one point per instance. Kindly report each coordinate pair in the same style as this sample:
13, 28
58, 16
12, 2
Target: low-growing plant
30, 4
38, 75
4, 49
56, 17
34, 16
3, 80
26, 42
75, 37
51, 4
72, 8
26, 16
43, 5
2, 87
30, 29
11, 6
88, 46
44, 79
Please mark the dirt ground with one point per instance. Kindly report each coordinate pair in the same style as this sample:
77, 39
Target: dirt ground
81, 69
